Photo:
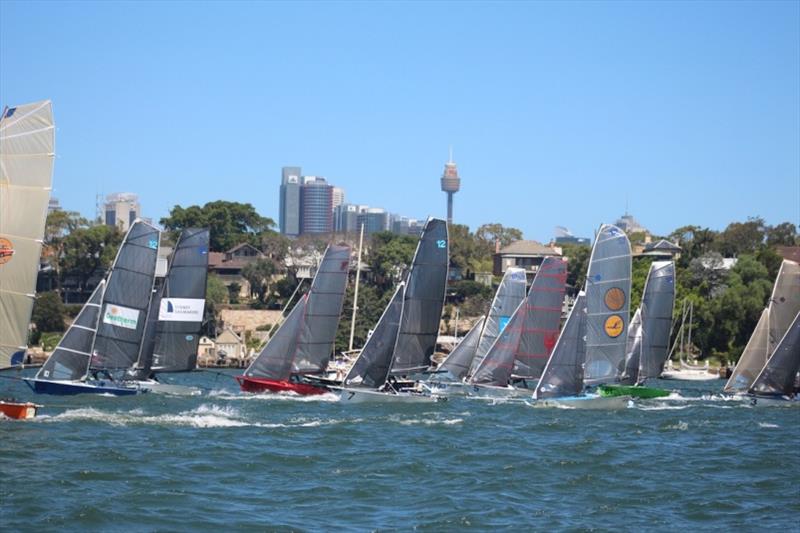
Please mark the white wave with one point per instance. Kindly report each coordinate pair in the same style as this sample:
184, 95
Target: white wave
662, 407
430, 422
273, 396
680, 426
767, 425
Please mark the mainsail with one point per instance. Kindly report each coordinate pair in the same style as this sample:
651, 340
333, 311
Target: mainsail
778, 375
507, 298
496, 367
542, 318
608, 289
304, 341
459, 360
563, 374
126, 300
753, 358
658, 301
70, 359
372, 366
423, 301
179, 306
784, 303
27, 139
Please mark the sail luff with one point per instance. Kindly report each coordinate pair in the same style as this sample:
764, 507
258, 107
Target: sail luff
633, 350
496, 367
658, 303
275, 359
458, 361
563, 373
753, 358
27, 145
784, 302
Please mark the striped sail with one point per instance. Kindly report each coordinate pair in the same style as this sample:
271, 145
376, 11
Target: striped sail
27, 140
608, 290
507, 298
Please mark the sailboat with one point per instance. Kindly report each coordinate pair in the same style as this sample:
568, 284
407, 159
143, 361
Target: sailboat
775, 383
518, 356
452, 375
27, 140
591, 347
772, 327
304, 341
648, 335
175, 317
104, 343
404, 339
686, 371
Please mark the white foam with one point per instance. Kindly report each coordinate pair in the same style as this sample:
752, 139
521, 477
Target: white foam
767, 425
680, 426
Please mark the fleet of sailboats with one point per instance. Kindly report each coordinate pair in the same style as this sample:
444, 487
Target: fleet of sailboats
135, 326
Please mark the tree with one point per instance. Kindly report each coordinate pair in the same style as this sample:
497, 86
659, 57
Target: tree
489, 233
741, 237
389, 256
784, 234
48, 313
577, 262
259, 274
216, 292
86, 250
58, 226
230, 223
467, 252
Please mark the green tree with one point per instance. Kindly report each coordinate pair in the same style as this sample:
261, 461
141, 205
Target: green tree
487, 234
389, 256
216, 292
58, 226
86, 250
48, 313
784, 234
230, 223
741, 237
467, 251
259, 274
577, 263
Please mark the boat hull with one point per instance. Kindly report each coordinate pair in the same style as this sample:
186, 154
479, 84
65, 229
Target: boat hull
490, 391
167, 388
18, 410
634, 391
69, 388
589, 401
770, 401
689, 375
250, 384
373, 396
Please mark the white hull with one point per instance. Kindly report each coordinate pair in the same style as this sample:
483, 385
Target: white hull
689, 375
448, 388
493, 392
589, 401
372, 396
761, 401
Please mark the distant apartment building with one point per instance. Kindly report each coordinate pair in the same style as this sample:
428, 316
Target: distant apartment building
338, 197
122, 209
289, 218
316, 206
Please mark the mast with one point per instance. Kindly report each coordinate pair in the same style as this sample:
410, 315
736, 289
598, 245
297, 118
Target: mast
355, 292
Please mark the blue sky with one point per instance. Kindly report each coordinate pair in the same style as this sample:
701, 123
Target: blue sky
558, 113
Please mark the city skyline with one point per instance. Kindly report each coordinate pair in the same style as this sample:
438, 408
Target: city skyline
556, 118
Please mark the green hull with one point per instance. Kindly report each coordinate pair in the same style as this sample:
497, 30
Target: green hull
637, 391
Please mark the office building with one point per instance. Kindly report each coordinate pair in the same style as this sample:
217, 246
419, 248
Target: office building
289, 217
121, 210
316, 206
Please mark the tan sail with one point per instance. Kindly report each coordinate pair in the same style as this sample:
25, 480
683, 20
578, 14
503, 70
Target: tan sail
27, 138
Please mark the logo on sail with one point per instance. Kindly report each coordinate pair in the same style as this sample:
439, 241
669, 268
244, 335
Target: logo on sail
614, 326
614, 298
6, 251
124, 317
181, 309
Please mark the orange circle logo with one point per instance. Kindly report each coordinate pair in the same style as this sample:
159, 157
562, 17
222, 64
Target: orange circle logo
6, 251
614, 298
614, 326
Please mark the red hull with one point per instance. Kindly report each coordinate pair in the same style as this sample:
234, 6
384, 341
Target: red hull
272, 385
18, 411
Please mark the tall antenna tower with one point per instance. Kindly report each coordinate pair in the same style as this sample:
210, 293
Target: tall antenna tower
451, 183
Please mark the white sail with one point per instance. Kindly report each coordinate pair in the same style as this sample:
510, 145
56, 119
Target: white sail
27, 140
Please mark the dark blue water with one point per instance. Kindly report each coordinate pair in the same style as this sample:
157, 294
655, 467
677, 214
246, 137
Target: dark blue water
228, 461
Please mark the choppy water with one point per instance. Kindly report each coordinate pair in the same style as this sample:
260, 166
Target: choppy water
230, 461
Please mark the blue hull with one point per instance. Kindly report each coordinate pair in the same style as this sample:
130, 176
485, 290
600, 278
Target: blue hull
66, 388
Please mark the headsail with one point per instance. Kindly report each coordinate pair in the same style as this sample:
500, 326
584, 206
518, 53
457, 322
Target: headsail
126, 301
542, 318
784, 303
507, 298
27, 139
779, 373
325, 299
275, 360
459, 360
371, 368
424, 298
563, 374
179, 305
658, 301
608, 289
753, 358
633, 349
70, 359
496, 367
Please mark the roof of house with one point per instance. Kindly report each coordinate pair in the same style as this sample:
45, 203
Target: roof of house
228, 336
528, 248
792, 253
662, 245
243, 245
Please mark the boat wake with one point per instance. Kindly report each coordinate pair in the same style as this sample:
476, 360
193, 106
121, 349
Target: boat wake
223, 394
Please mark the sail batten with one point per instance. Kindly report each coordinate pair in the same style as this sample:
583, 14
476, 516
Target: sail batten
27, 140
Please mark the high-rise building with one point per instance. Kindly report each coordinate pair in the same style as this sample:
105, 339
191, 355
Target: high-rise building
316, 206
122, 209
374, 219
338, 197
289, 218
345, 218
451, 183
